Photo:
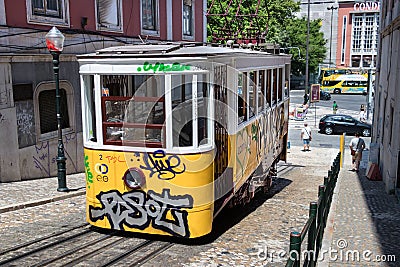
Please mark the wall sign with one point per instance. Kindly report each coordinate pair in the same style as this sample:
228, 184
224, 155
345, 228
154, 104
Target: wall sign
367, 6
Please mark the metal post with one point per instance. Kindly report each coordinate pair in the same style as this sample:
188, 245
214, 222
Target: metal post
307, 48
369, 93
61, 168
295, 247
312, 234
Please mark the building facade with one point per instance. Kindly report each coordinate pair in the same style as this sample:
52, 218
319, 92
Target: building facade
351, 29
358, 34
386, 120
28, 125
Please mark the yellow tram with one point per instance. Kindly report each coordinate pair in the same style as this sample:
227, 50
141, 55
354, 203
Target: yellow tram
173, 133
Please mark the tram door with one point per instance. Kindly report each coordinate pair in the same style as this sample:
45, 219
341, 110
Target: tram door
223, 176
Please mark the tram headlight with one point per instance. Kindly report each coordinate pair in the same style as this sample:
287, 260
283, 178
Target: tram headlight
134, 178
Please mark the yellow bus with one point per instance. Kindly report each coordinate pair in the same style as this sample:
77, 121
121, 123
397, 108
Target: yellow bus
328, 74
346, 84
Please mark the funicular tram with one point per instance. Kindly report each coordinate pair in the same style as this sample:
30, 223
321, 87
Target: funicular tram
173, 133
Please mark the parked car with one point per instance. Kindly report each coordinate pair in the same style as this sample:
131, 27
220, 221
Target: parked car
324, 95
338, 123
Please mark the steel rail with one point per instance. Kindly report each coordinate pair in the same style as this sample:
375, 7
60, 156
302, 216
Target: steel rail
72, 251
151, 255
126, 253
43, 247
40, 239
92, 253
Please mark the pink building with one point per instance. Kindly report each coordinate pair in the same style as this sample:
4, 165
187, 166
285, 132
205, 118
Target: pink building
28, 128
358, 34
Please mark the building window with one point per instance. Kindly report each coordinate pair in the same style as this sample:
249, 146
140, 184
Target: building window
365, 36
344, 29
187, 24
357, 30
109, 15
54, 12
50, 8
45, 109
150, 16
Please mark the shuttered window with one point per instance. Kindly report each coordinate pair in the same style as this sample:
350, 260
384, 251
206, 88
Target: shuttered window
187, 25
149, 15
47, 7
48, 12
109, 15
48, 112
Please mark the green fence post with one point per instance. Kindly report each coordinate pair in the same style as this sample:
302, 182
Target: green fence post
312, 234
320, 217
295, 247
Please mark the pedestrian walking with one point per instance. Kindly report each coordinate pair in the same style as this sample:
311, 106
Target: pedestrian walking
362, 115
357, 146
334, 107
306, 137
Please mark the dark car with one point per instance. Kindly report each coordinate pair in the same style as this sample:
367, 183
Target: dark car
337, 123
324, 95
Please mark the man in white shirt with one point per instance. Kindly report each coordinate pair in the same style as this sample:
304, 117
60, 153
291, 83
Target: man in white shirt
357, 146
306, 136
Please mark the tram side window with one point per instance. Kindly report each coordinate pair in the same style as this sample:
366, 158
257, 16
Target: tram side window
252, 94
269, 88
202, 95
280, 85
90, 123
133, 110
242, 92
274, 88
260, 89
182, 110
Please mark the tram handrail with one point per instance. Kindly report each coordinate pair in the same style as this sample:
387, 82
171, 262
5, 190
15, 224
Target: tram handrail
315, 225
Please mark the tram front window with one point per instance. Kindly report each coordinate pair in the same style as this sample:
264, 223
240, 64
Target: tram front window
182, 110
133, 110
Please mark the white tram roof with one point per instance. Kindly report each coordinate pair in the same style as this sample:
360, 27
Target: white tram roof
245, 56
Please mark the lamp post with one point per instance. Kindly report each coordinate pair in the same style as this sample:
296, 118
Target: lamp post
306, 91
332, 8
55, 43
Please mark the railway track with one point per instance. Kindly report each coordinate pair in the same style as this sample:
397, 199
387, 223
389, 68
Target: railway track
82, 245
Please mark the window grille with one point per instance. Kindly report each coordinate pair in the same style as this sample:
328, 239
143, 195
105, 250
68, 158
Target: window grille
48, 113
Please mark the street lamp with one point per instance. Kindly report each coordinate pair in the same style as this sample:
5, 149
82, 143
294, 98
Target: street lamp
306, 91
55, 43
330, 40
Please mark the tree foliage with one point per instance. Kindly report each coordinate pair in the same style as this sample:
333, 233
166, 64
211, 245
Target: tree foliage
295, 35
273, 21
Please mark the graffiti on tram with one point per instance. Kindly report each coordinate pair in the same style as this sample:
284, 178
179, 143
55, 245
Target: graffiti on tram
135, 210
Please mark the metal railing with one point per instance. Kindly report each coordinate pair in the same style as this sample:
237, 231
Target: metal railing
315, 225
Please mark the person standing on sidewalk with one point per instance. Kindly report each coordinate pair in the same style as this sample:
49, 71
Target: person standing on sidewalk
334, 107
357, 146
306, 136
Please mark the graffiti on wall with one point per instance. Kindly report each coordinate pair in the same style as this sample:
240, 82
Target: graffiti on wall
136, 209
3, 96
2, 118
43, 159
25, 123
89, 174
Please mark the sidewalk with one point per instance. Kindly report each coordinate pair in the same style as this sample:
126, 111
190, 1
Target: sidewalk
363, 227
19, 195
